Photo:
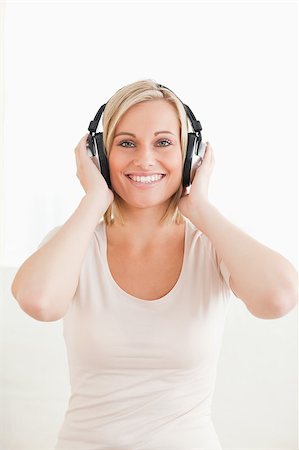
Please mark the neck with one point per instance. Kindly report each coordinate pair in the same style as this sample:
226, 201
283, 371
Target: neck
141, 224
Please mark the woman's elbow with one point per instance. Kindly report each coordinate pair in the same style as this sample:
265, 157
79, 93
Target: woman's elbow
38, 310
286, 300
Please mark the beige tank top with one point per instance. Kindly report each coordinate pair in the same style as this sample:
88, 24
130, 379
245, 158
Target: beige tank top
142, 373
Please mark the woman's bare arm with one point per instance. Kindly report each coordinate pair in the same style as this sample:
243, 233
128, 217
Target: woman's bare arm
46, 282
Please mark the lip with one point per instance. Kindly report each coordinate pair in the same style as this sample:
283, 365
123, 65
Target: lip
145, 185
144, 174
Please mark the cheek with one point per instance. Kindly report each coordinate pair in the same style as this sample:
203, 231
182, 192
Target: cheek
175, 165
116, 164
113, 168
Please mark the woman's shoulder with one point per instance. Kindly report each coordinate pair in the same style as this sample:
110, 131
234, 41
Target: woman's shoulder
99, 234
192, 230
198, 240
49, 236
100, 225
202, 249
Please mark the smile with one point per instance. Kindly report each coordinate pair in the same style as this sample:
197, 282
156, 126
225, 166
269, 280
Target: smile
145, 181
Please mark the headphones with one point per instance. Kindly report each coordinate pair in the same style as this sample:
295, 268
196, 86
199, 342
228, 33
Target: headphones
194, 153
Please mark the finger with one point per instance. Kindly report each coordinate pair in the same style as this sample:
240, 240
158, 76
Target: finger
84, 141
212, 154
208, 150
209, 155
82, 146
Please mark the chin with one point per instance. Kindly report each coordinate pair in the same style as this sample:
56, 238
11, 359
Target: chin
145, 204
149, 203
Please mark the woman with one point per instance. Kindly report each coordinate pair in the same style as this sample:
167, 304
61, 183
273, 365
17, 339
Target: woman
142, 274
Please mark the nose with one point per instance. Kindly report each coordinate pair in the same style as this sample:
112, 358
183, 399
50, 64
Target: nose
144, 159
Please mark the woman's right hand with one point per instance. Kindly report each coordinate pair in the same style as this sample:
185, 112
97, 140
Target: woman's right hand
89, 174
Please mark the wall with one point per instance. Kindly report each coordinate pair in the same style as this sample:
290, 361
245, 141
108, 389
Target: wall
235, 65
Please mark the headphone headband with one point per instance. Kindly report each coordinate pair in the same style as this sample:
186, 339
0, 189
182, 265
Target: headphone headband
196, 125
95, 122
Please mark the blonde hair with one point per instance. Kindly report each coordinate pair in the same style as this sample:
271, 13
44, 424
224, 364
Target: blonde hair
118, 104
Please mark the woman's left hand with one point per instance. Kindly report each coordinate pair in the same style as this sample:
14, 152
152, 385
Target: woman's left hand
192, 204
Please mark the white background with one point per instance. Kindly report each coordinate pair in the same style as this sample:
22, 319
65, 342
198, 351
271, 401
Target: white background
235, 65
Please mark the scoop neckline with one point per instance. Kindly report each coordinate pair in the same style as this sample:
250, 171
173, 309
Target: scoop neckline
125, 294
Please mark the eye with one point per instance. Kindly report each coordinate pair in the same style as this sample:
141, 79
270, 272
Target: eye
165, 140
130, 142
124, 142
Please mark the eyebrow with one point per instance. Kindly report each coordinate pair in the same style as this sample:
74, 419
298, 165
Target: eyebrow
131, 134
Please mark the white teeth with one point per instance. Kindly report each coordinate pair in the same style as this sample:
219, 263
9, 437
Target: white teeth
144, 179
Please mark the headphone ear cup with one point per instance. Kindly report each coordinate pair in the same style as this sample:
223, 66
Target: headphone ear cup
191, 153
103, 161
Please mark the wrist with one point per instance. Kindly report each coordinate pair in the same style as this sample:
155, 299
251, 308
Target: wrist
97, 203
201, 213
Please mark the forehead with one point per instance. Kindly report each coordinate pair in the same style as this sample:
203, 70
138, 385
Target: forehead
150, 115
